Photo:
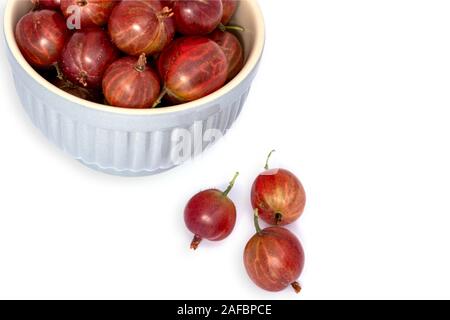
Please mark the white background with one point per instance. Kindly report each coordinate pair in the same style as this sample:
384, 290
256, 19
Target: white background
354, 95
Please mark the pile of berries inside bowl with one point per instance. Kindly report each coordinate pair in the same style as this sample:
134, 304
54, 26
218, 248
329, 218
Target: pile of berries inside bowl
133, 53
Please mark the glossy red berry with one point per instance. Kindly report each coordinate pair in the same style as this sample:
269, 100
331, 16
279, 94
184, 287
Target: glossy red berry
86, 57
197, 17
274, 258
138, 27
210, 215
92, 13
41, 36
233, 50
278, 195
131, 83
191, 68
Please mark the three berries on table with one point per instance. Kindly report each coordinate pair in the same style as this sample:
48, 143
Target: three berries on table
273, 257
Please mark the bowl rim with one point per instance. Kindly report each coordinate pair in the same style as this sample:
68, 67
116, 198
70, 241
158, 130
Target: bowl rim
251, 63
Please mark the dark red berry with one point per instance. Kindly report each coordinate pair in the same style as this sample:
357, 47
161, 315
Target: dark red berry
274, 258
233, 50
138, 27
86, 57
41, 36
131, 83
278, 195
197, 17
191, 68
92, 13
210, 215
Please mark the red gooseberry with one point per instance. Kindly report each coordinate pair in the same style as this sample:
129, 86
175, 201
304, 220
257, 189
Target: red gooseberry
130, 83
274, 258
86, 56
210, 215
278, 195
197, 17
89, 13
138, 27
232, 48
191, 68
41, 36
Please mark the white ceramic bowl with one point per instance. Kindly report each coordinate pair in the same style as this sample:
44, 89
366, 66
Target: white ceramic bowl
128, 141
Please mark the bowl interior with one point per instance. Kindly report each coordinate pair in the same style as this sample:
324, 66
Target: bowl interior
248, 16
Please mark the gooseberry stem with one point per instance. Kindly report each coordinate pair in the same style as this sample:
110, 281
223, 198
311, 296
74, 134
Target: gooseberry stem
224, 28
256, 221
35, 5
267, 160
82, 78
140, 66
278, 218
161, 95
165, 13
59, 73
230, 186
195, 242
296, 286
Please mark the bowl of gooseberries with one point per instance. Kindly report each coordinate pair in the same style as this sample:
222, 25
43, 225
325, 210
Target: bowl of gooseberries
133, 87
